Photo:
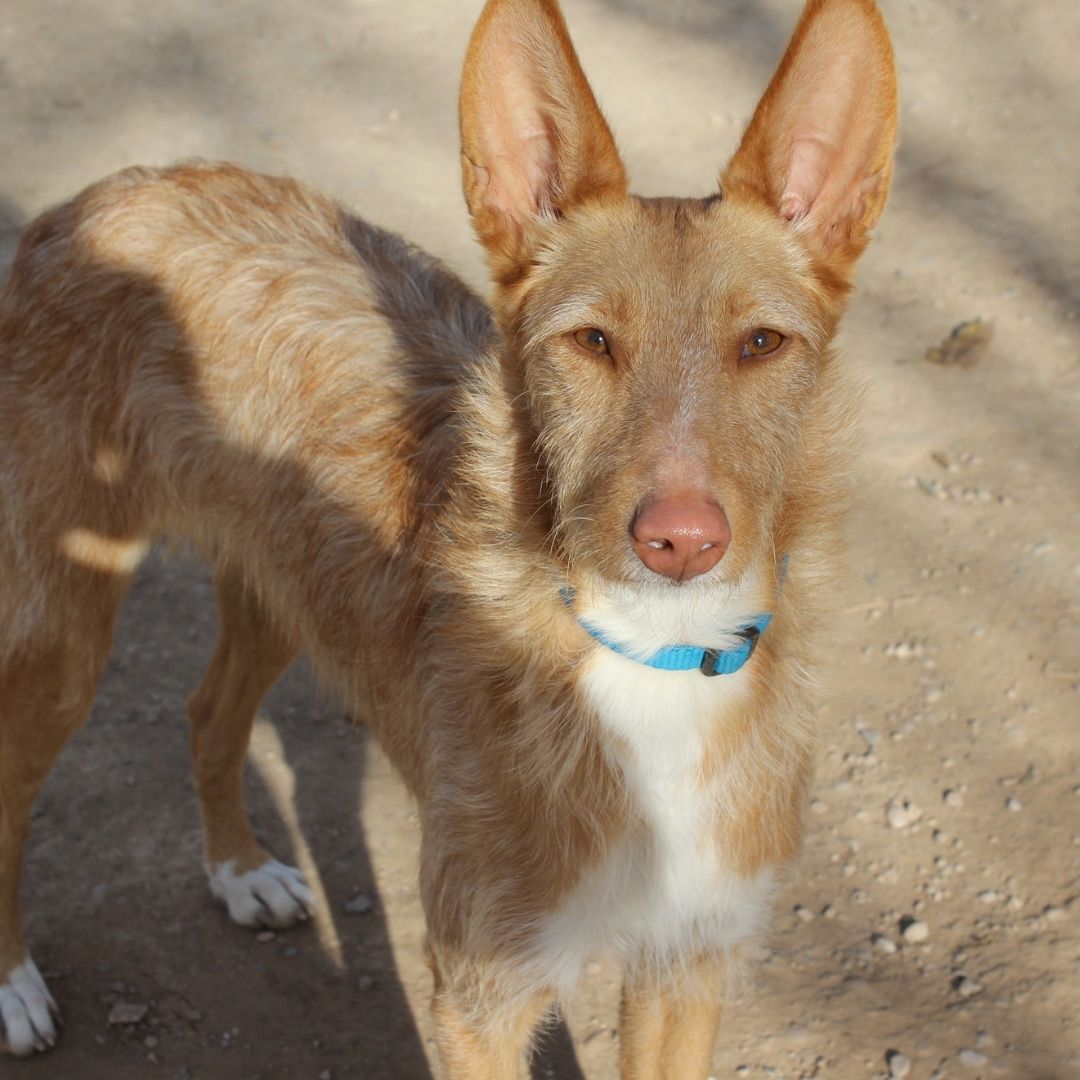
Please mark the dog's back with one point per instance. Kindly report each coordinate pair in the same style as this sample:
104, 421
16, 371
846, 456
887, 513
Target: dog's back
175, 343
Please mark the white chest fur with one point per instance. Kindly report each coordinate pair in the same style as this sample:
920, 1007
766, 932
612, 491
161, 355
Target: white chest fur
664, 892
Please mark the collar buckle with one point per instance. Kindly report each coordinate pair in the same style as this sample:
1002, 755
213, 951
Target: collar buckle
711, 660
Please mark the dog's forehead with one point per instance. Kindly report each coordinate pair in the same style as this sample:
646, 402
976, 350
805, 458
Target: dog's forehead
675, 256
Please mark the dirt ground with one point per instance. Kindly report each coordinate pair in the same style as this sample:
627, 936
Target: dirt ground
948, 790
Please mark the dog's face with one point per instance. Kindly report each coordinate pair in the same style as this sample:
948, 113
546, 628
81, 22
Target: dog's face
669, 350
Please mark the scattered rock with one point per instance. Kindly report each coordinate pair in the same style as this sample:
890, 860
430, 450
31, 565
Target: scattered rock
128, 1013
898, 1063
883, 943
966, 987
965, 346
952, 797
972, 1059
804, 914
360, 904
900, 813
265, 935
913, 930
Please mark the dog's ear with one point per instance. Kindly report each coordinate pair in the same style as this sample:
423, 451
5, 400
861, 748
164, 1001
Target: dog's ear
534, 144
819, 149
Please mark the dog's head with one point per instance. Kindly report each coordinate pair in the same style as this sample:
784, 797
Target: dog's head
669, 351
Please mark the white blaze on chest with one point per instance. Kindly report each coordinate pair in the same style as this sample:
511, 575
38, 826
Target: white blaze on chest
664, 890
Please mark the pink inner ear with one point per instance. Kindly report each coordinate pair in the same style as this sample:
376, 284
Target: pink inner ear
823, 132
810, 157
517, 145
819, 147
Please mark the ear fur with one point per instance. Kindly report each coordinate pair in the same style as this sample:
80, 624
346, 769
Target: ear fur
819, 149
534, 143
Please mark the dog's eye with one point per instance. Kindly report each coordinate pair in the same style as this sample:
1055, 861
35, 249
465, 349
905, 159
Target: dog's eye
761, 342
592, 340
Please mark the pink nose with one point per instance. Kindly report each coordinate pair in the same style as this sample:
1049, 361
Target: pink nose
680, 536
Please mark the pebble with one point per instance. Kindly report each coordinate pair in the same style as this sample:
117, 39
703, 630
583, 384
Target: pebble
898, 1063
265, 935
900, 813
952, 797
326, 1074
913, 930
804, 914
883, 943
989, 896
365, 983
972, 1059
360, 904
966, 987
128, 1013
1013, 803
904, 650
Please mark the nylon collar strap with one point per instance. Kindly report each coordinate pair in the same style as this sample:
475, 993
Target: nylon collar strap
685, 657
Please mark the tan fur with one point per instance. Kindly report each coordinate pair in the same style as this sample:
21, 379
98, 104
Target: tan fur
397, 480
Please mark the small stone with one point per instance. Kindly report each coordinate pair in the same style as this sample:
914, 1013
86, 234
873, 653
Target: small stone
803, 914
128, 1013
883, 943
898, 1063
1013, 803
265, 935
150, 1042
901, 813
966, 987
989, 896
952, 797
326, 1074
360, 904
913, 930
972, 1059
365, 983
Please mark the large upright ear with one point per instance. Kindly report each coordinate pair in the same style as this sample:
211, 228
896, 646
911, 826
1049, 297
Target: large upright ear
533, 141
819, 149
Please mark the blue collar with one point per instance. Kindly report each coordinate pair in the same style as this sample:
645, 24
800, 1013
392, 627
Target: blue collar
685, 657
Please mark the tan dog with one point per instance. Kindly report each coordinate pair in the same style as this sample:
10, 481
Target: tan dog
532, 546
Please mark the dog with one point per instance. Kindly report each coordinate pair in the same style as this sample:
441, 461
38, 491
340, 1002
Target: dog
568, 556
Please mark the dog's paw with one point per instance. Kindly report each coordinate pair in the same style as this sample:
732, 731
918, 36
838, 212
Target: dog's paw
28, 1014
271, 895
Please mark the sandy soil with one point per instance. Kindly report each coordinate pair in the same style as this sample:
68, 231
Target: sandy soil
956, 677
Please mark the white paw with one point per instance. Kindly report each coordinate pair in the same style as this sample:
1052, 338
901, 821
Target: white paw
271, 895
27, 1011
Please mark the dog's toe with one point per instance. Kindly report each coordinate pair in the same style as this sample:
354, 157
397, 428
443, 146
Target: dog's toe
271, 895
27, 1011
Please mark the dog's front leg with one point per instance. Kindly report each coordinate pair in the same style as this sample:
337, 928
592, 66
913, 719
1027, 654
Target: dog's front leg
667, 1024
483, 1027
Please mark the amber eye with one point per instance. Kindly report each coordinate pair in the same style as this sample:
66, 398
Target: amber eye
592, 340
761, 342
